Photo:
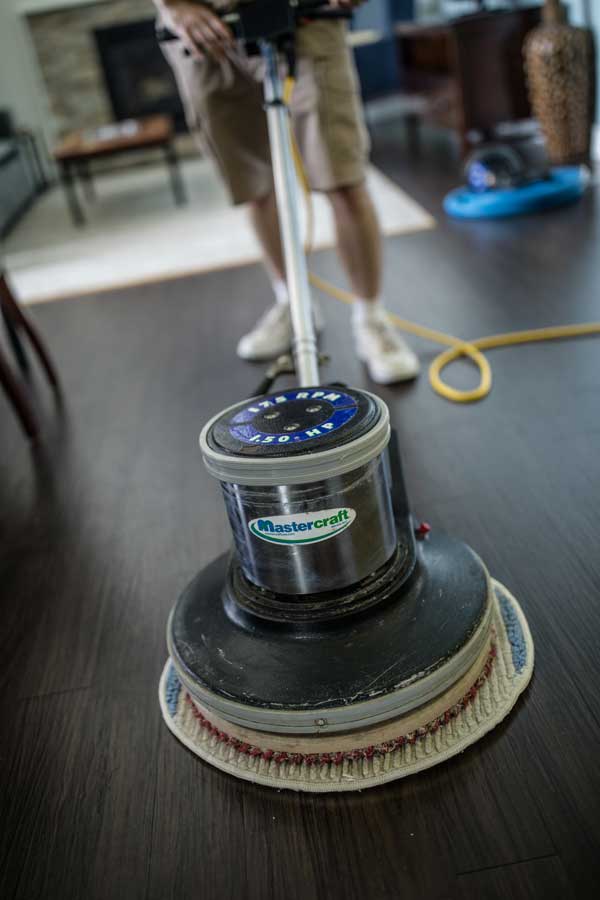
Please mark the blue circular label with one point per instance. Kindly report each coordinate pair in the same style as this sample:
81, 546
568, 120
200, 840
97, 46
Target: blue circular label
344, 408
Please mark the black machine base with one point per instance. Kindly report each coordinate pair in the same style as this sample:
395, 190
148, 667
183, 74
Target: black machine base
371, 665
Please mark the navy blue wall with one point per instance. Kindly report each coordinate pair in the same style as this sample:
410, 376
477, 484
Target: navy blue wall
377, 64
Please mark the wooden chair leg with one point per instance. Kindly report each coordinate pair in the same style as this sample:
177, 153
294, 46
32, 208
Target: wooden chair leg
18, 317
15, 341
19, 400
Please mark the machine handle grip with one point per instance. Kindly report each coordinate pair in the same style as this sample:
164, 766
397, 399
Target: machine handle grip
321, 9
310, 10
325, 14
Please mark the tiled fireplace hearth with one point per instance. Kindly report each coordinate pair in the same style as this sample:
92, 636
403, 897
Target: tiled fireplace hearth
99, 62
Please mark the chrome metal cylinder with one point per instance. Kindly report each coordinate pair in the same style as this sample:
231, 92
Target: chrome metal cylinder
307, 488
309, 538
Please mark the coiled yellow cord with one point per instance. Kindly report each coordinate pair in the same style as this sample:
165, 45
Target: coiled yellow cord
456, 347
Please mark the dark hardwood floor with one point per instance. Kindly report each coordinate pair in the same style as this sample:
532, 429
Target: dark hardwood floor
102, 527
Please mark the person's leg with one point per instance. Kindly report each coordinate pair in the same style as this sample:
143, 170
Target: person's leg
264, 220
387, 355
330, 127
224, 110
358, 239
272, 335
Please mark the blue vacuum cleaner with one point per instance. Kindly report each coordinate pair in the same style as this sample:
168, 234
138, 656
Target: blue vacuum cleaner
501, 182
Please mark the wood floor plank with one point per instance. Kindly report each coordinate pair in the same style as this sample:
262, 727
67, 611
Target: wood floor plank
286, 844
100, 532
523, 881
79, 791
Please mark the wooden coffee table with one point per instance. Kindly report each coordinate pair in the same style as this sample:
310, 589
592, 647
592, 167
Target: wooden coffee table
78, 150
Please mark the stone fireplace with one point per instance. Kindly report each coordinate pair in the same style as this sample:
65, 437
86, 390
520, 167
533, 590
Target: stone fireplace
100, 62
138, 79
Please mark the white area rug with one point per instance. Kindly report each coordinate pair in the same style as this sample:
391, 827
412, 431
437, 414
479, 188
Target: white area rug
135, 233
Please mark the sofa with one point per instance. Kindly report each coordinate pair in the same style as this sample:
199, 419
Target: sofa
21, 178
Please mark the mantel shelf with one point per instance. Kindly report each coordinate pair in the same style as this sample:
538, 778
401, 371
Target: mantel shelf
33, 7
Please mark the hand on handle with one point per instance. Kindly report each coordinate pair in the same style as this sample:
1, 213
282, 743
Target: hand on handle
200, 28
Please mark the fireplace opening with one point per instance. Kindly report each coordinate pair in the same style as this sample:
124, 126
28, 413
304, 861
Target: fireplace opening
138, 79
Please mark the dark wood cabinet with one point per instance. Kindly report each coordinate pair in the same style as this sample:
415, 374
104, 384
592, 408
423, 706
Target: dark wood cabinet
469, 71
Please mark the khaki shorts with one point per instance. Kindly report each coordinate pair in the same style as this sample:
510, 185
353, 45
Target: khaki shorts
223, 103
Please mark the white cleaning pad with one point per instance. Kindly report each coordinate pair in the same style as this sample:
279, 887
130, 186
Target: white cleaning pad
352, 762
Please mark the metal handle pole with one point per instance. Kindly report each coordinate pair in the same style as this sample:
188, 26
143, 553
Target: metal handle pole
288, 206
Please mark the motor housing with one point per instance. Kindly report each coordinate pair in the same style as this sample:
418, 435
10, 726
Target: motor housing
306, 483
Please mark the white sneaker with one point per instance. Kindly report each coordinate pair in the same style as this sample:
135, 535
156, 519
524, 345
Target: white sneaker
272, 335
387, 355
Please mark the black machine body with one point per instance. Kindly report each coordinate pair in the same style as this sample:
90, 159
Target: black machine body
283, 633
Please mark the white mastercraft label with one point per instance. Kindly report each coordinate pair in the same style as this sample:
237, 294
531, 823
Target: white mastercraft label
303, 528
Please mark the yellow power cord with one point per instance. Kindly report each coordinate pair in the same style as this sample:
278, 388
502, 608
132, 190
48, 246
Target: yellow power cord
456, 346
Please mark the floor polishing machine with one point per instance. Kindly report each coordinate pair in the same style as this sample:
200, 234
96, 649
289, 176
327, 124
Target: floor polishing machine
336, 646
